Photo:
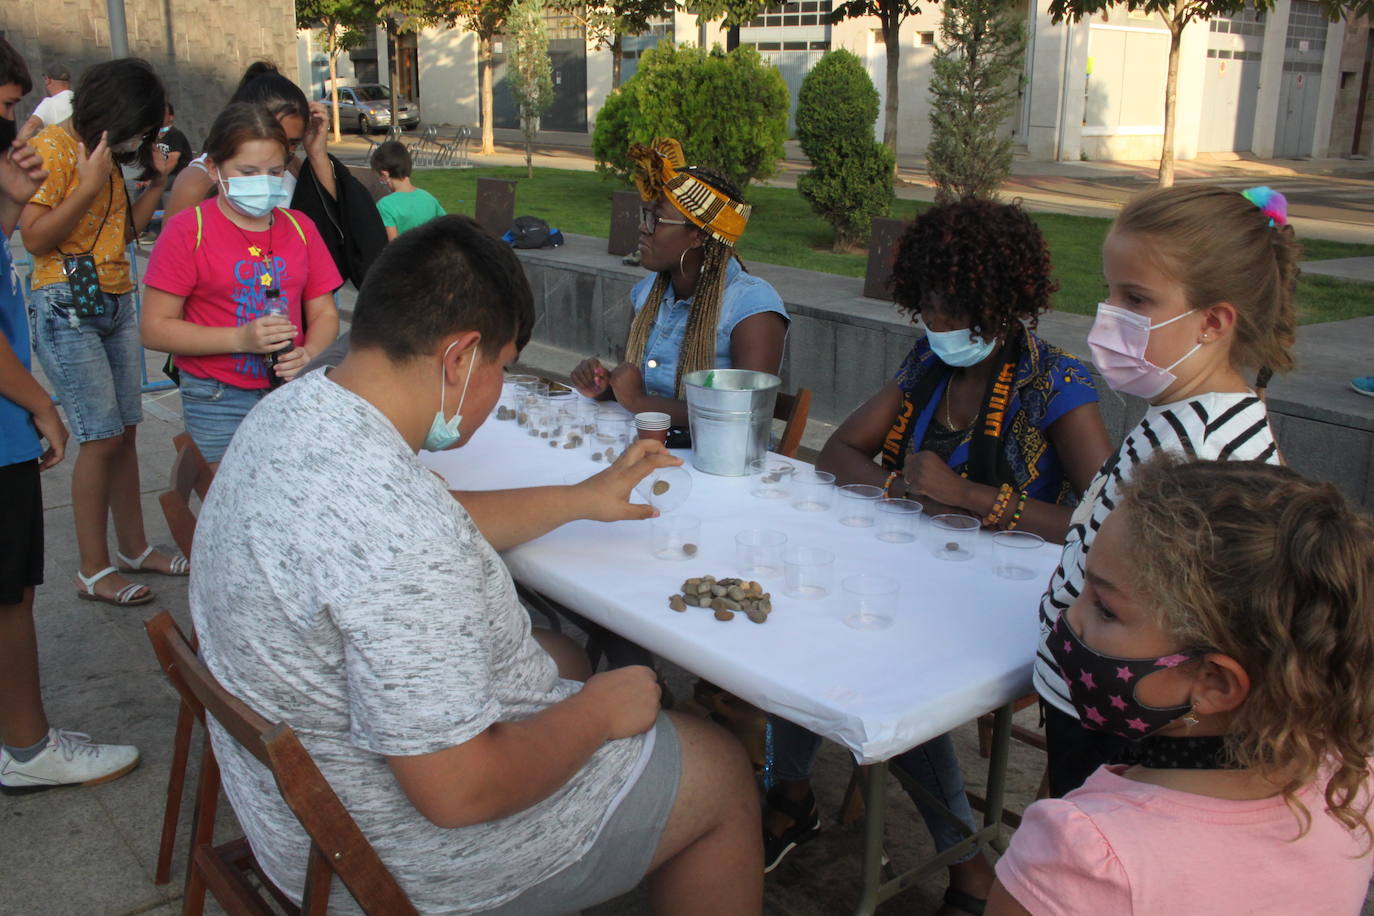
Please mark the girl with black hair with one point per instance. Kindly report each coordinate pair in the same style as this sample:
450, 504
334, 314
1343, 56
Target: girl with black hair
86, 334
699, 309
320, 186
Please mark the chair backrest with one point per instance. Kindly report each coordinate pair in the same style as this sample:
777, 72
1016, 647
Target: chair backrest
190, 474
337, 846
792, 410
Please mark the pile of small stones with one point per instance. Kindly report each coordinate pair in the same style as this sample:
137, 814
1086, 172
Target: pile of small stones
726, 597
608, 456
506, 413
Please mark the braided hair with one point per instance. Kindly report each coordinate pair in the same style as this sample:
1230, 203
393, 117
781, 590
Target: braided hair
699, 342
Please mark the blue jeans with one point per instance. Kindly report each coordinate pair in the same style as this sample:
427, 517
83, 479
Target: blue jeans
94, 363
933, 765
213, 411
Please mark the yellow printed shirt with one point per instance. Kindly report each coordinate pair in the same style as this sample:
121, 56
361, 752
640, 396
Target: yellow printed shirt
110, 207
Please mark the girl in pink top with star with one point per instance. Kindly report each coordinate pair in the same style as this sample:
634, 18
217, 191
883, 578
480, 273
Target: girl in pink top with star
1226, 627
239, 287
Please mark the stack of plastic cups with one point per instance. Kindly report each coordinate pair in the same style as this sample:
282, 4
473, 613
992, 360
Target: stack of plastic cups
653, 425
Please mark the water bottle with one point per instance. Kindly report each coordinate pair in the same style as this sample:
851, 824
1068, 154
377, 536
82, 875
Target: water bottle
276, 306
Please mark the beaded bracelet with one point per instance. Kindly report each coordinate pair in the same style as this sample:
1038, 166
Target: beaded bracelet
1016, 516
887, 484
999, 507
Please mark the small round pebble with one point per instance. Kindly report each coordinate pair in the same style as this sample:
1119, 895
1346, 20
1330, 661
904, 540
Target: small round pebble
725, 615
689, 549
661, 487
952, 546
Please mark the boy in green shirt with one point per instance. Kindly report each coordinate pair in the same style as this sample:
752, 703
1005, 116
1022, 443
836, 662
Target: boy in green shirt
406, 206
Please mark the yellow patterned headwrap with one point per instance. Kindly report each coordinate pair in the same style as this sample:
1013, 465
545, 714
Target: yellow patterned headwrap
662, 169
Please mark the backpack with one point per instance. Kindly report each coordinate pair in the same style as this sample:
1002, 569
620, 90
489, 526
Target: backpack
532, 232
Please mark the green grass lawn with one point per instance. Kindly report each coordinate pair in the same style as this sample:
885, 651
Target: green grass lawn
783, 230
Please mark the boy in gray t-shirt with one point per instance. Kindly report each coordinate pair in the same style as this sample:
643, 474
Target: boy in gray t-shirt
339, 587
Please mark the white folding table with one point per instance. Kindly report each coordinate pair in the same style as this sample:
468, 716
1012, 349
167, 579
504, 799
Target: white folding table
961, 644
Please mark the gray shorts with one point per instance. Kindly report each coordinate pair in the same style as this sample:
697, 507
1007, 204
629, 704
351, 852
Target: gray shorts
621, 855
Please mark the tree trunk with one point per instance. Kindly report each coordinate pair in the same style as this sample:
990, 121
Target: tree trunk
891, 28
486, 68
395, 68
1166, 155
334, 79
616, 53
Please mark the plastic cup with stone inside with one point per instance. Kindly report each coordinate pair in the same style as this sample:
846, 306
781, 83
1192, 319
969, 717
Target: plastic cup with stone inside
666, 489
614, 430
898, 520
869, 601
675, 537
527, 400
954, 537
653, 425
1012, 553
770, 478
807, 572
812, 491
858, 504
512, 396
759, 552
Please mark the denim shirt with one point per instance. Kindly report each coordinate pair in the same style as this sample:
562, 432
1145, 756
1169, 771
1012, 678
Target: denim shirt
745, 295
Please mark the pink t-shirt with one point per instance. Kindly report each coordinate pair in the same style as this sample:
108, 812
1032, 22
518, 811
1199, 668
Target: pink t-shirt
222, 280
1119, 846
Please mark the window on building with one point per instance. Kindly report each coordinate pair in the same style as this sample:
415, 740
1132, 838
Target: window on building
926, 38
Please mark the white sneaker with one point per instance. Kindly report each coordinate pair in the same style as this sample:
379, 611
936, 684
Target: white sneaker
70, 759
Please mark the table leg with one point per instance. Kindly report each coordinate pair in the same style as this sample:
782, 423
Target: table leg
875, 811
997, 775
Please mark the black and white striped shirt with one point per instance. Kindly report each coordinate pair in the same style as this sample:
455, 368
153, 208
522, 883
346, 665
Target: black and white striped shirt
1215, 427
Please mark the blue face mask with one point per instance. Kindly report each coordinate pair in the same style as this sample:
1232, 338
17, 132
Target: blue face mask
956, 349
255, 196
445, 433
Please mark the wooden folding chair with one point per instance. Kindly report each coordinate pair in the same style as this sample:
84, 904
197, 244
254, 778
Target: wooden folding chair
190, 474
337, 846
792, 410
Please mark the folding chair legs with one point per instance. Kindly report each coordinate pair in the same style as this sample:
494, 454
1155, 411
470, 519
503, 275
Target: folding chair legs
202, 829
176, 783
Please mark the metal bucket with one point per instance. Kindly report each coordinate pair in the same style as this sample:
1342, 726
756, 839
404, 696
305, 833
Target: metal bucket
731, 415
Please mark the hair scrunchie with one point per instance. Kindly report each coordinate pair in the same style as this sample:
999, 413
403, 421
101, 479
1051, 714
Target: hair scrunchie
1270, 202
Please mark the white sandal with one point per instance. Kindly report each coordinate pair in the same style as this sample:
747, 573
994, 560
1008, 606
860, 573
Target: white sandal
128, 596
180, 566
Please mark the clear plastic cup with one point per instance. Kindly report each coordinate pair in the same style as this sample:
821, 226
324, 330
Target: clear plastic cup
759, 552
899, 520
812, 491
954, 537
858, 502
770, 478
1012, 552
675, 537
870, 601
614, 433
666, 489
528, 395
807, 572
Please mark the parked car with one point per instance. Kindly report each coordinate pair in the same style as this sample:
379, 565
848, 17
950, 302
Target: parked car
368, 108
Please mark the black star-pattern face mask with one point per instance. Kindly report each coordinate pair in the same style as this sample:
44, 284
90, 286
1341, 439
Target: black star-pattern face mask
1103, 687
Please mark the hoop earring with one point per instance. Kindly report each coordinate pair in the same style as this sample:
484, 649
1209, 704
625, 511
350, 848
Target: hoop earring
681, 266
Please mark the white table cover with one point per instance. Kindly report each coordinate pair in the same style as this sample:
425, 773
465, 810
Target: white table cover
961, 644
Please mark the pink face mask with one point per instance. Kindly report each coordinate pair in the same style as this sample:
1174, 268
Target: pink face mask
1118, 341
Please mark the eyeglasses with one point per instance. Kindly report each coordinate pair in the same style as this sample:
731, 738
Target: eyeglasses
649, 220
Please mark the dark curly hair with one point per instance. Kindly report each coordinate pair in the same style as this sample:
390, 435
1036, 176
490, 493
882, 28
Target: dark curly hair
981, 260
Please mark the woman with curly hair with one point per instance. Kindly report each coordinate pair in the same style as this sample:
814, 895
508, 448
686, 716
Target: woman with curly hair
699, 309
983, 418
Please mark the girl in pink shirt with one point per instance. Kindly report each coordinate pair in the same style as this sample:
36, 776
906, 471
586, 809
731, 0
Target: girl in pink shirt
239, 288
1227, 622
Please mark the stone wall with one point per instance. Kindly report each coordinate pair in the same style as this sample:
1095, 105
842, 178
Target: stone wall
199, 48
845, 347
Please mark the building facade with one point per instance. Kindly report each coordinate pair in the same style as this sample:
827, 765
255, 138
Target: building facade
1285, 83
199, 48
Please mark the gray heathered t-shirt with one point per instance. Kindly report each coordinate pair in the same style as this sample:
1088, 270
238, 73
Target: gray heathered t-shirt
339, 588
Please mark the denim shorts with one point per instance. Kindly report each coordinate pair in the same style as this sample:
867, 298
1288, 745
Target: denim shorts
213, 410
95, 364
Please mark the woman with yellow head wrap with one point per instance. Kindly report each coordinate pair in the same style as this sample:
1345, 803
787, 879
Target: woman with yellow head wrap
699, 309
